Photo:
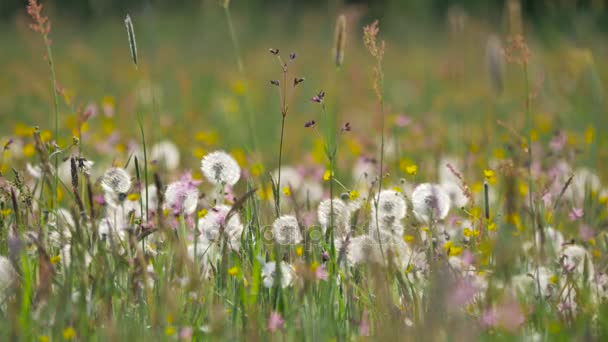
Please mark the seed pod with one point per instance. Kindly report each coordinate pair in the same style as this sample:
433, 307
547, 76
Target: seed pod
340, 40
131, 35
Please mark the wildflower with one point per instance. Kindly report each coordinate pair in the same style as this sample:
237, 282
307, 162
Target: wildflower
170, 330
490, 176
8, 275
69, 333
166, 154
430, 202
286, 191
575, 214
575, 259
299, 251
457, 196
275, 322
290, 177
328, 175
268, 274
341, 215
392, 204
221, 168
55, 260
214, 222
116, 180
321, 273
411, 169
43, 338
319, 97
181, 197
286, 230
353, 195
233, 271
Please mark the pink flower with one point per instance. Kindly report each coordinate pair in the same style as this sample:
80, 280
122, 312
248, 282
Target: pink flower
364, 325
185, 333
275, 322
321, 273
403, 120
507, 315
558, 142
463, 293
547, 199
575, 214
585, 232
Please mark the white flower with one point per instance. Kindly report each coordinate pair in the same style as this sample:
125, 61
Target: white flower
211, 225
309, 191
364, 249
553, 240
206, 252
166, 154
181, 197
457, 196
583, 182
365, 169
288, 274
116, 180
289, 177
341, 216
8, 275
61, 223
577, 260
286, 230
536, 279
430, 201
220, 168
152, 197
391, 204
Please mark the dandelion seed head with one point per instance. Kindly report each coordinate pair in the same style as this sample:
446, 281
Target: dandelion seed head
457, 196
8, 275
166, 154
390, 204
181, 197
286, 230
220, 168
573, 259
116, 180
211, 225
430, 202
290, 177
288, 274
341, 215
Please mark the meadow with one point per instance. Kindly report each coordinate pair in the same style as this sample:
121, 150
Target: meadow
321, 175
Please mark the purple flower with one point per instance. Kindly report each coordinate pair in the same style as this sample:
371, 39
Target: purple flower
558, 142
575, 214
402, 120
275, 322
321, 273
586, 233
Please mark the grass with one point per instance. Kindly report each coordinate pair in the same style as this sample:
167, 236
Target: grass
134, 265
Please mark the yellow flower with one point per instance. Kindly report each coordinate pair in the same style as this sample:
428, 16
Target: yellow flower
239, 87
69, 333
523, 189
490, 176
43, 338
29, 150
589, 135
411, 169
448, 244
328, 175
46, 135
409, 268
202, 213
6, 212
534, 135
133, 197
286, 191
233, 271
455, 251
353, 195
170, 330
470, 232
314, 266
553, 279
408, 238
492, 227
499, 153
199, 152
239, 156
257, 169
55, 260
299, 250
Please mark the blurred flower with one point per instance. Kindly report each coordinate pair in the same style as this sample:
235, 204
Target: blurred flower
575, 214
166, 154
430, 202
220, 168
116, 180
269, 272
214, 223
275, 322
341, 216
286, 230
181, 197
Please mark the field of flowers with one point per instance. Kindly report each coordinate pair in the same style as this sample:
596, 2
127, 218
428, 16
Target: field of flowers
225, 174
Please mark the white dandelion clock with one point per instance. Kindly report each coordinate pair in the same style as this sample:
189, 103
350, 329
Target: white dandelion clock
8, 275
220, 168
391, 204
290, 177
365, 170
309, 191
553, 240
288, 274
576, 260
341, 216
181, 197
166, 154
286, 231
457, 196
583, 183
206, 253
116, 180
430, 202
214, 223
